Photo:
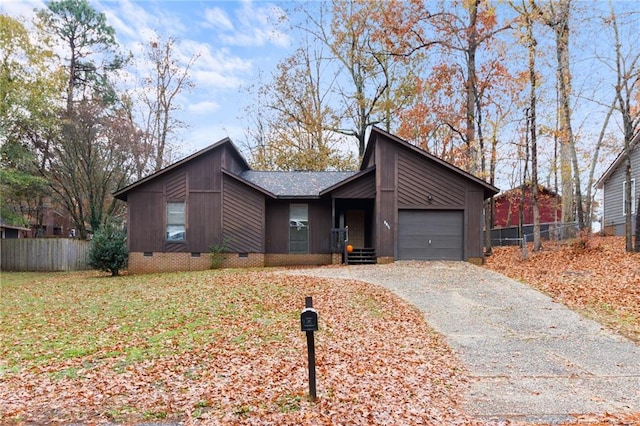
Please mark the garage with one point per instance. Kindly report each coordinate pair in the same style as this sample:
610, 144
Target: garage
430, 235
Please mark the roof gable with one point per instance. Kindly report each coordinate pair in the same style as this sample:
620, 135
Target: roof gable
368, 159
354, 176
121, 194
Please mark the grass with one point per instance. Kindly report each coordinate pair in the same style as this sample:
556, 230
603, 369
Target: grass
55, 317
71, 325
222, 346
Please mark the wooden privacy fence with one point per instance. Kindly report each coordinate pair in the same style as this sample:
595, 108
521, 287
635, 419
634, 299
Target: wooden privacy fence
44, 254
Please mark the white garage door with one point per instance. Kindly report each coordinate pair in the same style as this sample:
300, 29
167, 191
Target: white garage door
430, 235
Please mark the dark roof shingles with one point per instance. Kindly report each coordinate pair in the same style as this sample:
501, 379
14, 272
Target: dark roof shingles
295, 184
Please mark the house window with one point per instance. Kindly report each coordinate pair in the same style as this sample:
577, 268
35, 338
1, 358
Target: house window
298, 228
633, 197
176, 230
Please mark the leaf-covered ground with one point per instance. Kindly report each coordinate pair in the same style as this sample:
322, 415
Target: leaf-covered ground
594, 276
217, 347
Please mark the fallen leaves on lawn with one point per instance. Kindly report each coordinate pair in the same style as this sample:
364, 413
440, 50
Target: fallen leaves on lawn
595, 276
219, 347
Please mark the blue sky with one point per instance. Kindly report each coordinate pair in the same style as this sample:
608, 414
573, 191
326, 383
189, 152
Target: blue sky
238, 40
235, 41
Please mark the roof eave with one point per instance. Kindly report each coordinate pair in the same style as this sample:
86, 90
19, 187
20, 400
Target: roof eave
248, 183
347, 180
614, 165
298, 197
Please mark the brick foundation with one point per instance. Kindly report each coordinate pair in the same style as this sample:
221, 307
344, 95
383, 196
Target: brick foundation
286, 259
479, 261
242, 260
173, 262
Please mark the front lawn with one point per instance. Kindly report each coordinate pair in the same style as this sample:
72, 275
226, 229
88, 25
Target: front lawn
218, 346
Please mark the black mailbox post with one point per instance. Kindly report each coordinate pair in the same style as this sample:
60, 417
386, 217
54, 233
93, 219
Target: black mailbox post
309, 324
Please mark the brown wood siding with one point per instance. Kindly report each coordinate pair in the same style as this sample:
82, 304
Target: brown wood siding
243, 217
176, 185
277, 225
386, 212
417, 179
174, 247
364, 187
204, 212
320, 226
145, 227
474, 243
204, 172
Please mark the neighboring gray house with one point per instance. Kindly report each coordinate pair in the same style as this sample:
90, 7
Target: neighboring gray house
613, 187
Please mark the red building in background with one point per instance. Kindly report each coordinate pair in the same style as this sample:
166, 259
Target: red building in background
507, 206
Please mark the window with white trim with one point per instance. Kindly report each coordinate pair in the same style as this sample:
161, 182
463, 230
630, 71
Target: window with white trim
176, 228
633, 197
298, 228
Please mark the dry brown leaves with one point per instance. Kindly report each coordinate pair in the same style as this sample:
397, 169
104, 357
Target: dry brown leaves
595, 276
377, 361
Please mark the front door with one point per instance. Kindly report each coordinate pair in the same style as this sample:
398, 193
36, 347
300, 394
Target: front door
354, 219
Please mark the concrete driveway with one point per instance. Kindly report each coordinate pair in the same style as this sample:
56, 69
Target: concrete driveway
530, 359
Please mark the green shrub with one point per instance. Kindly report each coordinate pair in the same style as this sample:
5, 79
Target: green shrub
217, 252
108, 250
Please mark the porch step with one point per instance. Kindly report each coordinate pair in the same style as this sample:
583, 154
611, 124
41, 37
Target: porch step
361, 256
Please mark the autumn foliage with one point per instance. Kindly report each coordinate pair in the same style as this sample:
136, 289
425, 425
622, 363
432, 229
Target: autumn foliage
217, 347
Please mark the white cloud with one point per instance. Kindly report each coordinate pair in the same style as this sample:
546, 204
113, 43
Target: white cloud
217, 18
218, 69
254, 25
215, 80
202, 108
22, 8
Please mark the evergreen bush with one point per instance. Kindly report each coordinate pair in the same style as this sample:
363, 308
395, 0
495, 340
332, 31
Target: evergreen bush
108, 250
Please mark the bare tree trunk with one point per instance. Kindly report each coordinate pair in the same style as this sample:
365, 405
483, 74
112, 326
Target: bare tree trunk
594, 162
628, 233
523, 195
533, 81
561, 29
490, 206
471, 87
558, 20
